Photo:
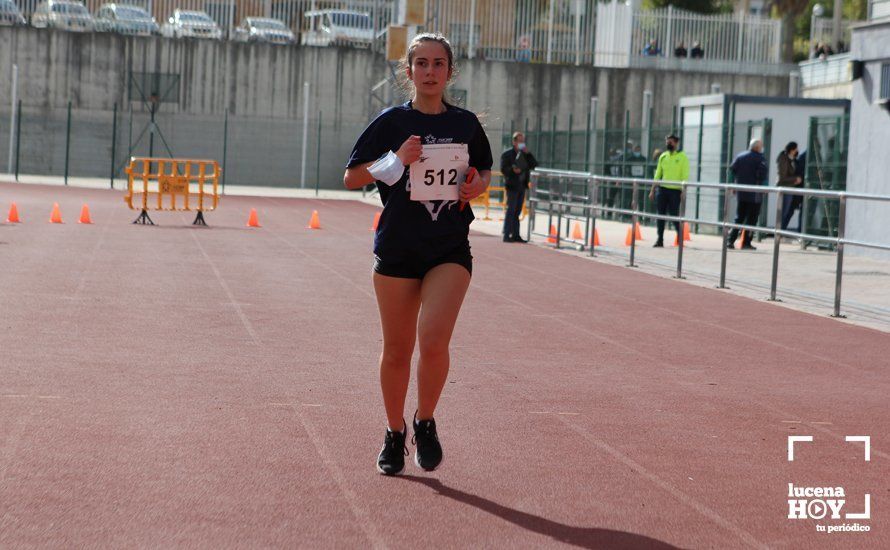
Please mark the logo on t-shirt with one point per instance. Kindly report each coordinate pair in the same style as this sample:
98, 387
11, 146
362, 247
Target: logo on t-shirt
431, 139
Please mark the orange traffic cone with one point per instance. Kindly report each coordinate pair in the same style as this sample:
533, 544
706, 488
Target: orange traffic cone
629, 236
376, 222
639, 232
313, 221
596, 238
576, 232
252, 219
56, 216
686, 236
552, 237
85, 215
13, 215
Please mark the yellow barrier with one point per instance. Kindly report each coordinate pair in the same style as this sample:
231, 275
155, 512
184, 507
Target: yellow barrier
501, 202
172, 178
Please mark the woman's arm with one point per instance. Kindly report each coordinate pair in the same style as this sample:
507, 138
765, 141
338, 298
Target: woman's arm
358, 176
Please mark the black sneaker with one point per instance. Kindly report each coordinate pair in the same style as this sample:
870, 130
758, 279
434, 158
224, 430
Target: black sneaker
429, 452
391, 460
658, 244
519, 240
748, 247
730, 245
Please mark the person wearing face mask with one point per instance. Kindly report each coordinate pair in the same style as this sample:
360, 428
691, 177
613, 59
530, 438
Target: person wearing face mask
517, 162
672, 168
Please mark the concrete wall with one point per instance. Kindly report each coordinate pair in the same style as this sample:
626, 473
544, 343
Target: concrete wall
261, 86
868, 163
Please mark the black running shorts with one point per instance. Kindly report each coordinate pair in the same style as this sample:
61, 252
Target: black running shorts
418, 268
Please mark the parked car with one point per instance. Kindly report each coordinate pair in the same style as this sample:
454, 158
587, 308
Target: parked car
262, 29
337, 27
191, 24
126, 19
10, 15
68, 15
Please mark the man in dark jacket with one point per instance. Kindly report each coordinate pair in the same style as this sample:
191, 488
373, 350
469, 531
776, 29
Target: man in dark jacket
749, 168
517, 163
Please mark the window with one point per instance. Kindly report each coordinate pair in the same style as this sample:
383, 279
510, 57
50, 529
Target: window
885, 81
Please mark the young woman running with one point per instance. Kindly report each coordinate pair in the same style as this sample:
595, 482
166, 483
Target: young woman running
428, 159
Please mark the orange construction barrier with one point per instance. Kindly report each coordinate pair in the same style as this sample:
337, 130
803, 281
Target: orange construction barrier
313, 221
181, 181
56, 215
376, 221
253, 220
85, 215
13, 216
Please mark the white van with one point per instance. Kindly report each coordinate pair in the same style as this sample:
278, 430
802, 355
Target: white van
337, 27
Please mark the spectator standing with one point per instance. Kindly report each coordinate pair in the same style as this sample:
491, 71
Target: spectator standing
697, 52
672, 168
792, 203
786, 168
680, 50
748, 168
517, 162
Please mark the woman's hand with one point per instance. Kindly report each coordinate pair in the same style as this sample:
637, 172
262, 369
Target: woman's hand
410, 150
474, 187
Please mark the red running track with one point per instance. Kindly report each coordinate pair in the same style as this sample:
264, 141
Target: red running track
217, 387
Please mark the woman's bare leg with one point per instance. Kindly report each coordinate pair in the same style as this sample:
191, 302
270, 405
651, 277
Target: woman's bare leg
398, 300
442, 294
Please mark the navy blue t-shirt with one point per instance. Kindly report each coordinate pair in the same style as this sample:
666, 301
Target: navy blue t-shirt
421, 230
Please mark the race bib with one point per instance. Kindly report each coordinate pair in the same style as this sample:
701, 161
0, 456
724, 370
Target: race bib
438, 173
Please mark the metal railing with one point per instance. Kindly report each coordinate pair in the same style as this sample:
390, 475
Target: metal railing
822, 72
623, 34
574, 196
878, 9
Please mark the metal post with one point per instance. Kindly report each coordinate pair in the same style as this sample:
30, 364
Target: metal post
225, 148
318, 156
701, 135
593, 201
633, 224
559, 197
723, 248
67, 143
553, 142
647, 121
668, 48
18, 140
305, 134
777, 239
740, 44
550, 32
839, 270
681, 232
471, 50
577, 32
593, 113
836, 23
15, 80
569, 146
113, 144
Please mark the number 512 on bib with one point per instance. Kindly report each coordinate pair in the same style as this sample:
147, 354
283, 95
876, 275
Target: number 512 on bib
438, 173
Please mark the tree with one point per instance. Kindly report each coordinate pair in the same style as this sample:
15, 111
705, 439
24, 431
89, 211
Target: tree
789, 10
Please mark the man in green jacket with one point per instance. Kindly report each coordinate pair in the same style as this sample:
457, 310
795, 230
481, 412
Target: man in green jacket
672, 168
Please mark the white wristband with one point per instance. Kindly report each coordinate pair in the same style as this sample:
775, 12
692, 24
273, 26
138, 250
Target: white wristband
388, 169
